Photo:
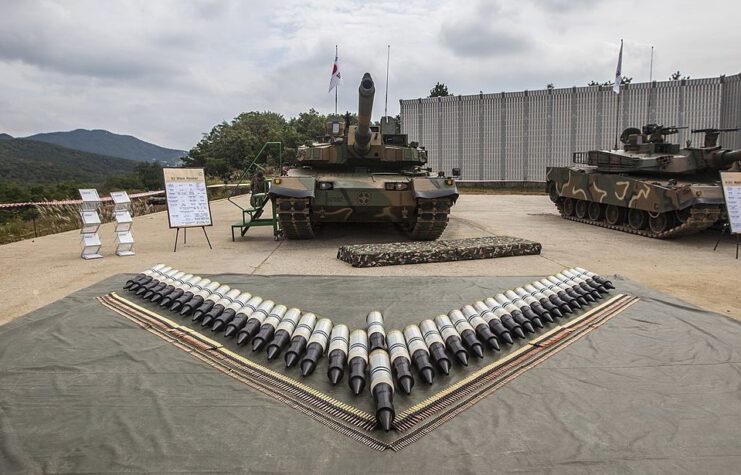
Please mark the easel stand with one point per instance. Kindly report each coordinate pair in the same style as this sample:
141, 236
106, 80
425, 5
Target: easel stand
185, 237
738, 238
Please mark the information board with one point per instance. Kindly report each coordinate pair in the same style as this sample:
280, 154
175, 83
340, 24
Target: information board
187, 200
732, 191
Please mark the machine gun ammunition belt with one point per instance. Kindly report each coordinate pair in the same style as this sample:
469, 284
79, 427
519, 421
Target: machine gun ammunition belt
294, 217
432, 218
699, 219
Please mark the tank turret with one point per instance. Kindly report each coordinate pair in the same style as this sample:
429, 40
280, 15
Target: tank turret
649, 187
348, 147
647, 151
363, 173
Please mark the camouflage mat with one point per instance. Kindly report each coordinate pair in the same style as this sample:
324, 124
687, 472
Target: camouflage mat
418, 252
653, 390
313, 397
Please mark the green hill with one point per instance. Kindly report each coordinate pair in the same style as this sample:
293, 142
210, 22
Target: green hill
29, 162
5, 137
107, 143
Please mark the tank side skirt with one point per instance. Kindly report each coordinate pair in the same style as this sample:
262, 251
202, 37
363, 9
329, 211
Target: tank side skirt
701, 218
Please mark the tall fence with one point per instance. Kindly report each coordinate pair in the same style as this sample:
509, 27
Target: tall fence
515, 135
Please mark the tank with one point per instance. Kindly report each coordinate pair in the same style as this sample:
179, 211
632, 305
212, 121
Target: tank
649, 187
363, 174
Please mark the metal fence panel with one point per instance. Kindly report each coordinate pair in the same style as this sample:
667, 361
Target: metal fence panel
515, 135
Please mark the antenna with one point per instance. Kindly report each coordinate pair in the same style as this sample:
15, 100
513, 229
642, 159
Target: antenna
386, 104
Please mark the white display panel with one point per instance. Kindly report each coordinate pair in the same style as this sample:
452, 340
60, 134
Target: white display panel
121, 200
89, 194
732, 190
90, 246
120, 197
124, 244
187, 200
123, 221
90, 222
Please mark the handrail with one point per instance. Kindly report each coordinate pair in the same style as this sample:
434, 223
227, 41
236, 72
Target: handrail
256, 165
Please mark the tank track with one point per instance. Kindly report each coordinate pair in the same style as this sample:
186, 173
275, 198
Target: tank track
700, 218
294, 217
432, 219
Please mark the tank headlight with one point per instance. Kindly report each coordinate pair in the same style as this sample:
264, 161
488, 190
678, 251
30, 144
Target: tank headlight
449, 182
400, 186
326, 185
277, 181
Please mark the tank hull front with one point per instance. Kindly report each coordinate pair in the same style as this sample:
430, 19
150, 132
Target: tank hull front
366, 198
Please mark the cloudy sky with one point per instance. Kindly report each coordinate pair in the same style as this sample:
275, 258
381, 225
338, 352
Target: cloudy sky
168, 70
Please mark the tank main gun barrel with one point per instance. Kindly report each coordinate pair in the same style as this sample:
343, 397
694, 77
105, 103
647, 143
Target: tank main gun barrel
366, 92
722, 159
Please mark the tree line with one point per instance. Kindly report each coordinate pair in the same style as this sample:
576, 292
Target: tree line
230, 147
145, 177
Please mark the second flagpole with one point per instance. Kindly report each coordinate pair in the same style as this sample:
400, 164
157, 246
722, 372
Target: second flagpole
336, 87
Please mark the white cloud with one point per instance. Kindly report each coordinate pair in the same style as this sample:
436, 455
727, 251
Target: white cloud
167, 71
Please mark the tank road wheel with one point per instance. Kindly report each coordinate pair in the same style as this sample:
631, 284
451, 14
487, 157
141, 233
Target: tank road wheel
553, 192
569, 204
683, 215
661, 223
637, 219
595, 211
614, 215
581, 209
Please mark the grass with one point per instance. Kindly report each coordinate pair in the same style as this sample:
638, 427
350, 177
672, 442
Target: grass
60, 218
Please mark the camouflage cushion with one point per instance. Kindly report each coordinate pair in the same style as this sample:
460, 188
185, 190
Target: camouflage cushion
417, 252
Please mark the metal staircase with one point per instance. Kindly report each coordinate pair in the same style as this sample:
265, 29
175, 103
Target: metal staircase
251, 216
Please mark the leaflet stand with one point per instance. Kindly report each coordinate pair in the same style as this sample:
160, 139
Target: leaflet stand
90, 224
122, 214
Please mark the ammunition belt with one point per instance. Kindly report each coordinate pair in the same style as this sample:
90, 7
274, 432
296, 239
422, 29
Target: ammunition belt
700, 218
294, 217
432, 218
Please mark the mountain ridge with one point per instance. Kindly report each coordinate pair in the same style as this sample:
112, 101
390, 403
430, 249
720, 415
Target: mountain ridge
104, 142
35, 162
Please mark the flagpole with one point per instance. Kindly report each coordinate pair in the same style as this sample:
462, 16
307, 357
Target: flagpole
617, 121
618, 81
337, 86
386, 105
651, 91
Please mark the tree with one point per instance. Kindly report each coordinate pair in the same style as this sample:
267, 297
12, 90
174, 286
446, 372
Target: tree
150, 176
550, 85
676, 76
309, 124
440, 90
623, 80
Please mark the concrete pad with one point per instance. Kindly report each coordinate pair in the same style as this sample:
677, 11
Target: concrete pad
39, 271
